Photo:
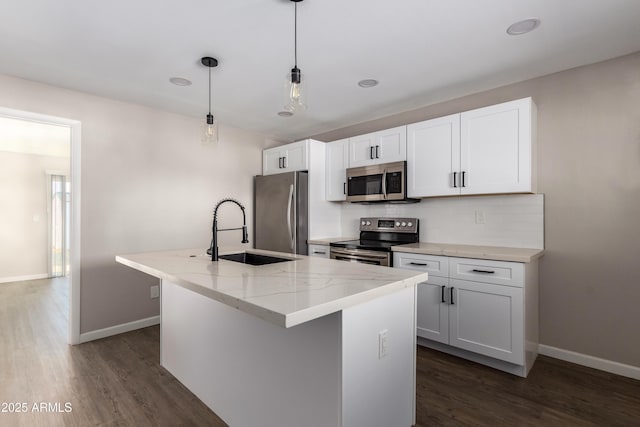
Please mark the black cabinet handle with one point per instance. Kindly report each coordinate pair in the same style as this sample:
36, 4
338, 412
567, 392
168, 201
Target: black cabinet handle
284, 162
377, 151
320, 252
475, 270
371, 152
418, 263
454, 180
442, 288
463, 172
451, 296
279, 162
344, 188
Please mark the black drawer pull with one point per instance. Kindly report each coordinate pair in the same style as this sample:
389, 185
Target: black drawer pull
451, 296
454, 180
442, 288
418, 263
319, 252
475, 270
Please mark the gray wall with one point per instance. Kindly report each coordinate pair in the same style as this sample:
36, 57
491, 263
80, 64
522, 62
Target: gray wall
589, 171
147, 184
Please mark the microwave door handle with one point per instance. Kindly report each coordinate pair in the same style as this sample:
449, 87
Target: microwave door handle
384, 184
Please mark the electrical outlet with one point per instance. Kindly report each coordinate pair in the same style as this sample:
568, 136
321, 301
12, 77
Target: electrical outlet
383, 343
480, 217
155, 291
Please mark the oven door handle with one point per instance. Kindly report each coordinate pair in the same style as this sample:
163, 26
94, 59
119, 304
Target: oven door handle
350, 255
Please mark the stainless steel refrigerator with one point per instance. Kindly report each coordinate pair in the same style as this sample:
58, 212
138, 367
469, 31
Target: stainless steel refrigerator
281, 219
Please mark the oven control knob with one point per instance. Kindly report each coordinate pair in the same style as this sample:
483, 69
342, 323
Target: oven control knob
404, 224
368, 222
364, 223
397, 223
409, 224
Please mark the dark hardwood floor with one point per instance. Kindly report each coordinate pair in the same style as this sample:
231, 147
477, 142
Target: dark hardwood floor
117, 381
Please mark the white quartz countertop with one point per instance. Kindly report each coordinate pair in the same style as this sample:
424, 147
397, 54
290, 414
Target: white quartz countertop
285, 293
496, 253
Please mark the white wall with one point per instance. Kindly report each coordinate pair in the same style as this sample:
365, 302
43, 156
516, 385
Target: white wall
511, 220
23, 213
147, 184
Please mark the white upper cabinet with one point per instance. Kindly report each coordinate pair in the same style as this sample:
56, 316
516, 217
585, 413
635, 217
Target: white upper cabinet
385, 146
433, 157
286, 158
485, 151
336, 167
496, 148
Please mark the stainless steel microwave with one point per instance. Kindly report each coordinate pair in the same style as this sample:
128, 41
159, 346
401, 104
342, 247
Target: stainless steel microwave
377, 183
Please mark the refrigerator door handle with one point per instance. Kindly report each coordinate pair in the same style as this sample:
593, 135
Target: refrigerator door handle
289, 204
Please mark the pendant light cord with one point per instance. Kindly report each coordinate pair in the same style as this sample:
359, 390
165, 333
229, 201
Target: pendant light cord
295, 34
209, 90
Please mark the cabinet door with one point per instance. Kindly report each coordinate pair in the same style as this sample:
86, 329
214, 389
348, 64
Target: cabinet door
495, 148
487, 319
432, 314
296, 156
320, 251
337, 161
433, 156
360, 150
390, 145
271, 162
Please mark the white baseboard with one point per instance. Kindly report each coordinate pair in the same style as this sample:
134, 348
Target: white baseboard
119, 329
591, 361
23, 278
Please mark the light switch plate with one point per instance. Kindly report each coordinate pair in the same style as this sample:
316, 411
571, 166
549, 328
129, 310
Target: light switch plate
155, 291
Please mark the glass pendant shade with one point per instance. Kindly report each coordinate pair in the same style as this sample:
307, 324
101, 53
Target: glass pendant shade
295, 91
209, 133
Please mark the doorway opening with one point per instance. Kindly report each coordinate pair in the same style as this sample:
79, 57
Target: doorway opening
41, 154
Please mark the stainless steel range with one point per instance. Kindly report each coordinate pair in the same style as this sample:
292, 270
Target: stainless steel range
377, 235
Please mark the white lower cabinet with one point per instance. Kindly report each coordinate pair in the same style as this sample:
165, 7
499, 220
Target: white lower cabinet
321, 251
482, 317
487, 319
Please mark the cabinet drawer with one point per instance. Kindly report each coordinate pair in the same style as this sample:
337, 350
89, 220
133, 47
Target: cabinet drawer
321, 251
434, 265
498, 272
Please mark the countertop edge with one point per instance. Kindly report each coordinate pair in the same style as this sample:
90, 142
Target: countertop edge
479, 252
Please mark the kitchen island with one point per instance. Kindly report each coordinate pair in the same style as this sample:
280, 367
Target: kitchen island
308, 341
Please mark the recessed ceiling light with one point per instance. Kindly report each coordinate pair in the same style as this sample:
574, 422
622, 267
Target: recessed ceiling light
523, 27
366, 83
285, 113
179, 81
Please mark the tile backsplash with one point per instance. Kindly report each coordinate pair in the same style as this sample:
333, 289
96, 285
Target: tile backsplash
506, 220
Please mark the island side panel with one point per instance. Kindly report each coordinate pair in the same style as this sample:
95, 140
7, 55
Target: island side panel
379, 390
248, 371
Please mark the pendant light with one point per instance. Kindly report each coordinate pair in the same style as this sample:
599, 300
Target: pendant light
295, 87
210, 124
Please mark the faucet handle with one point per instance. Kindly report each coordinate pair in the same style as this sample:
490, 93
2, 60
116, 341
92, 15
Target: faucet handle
245, 235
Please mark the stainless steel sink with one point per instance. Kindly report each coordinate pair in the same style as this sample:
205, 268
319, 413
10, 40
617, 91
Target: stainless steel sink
253, 259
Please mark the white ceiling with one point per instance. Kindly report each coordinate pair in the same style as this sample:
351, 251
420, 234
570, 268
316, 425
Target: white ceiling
421, 51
